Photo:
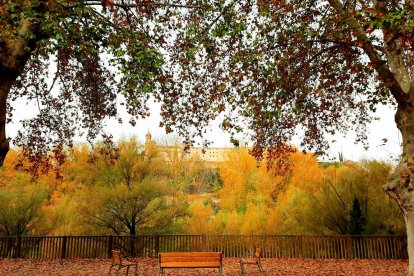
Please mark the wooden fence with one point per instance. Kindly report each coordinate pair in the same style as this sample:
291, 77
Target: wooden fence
273, 246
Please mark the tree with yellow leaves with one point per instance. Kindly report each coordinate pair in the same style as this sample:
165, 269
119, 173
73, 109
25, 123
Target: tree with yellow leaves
245, 204
130, 195
324, 205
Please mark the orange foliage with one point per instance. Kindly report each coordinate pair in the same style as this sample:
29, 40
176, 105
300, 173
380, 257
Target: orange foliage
305, 173
201, 217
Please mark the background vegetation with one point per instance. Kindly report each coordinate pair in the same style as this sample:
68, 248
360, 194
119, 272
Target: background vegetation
139, 192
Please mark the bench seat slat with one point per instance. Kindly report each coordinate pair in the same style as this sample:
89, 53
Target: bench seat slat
189, 259
190, 254
190, 264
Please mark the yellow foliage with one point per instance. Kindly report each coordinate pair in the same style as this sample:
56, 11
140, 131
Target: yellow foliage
247, 199
305, 174
255, 219
306, 171
245, 181
201, 218
233, 223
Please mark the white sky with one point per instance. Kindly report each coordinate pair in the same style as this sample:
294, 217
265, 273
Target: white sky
383, 128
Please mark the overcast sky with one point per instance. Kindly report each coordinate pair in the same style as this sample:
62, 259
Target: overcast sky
383, 128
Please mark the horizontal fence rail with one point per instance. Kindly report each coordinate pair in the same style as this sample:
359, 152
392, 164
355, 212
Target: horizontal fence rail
273, 246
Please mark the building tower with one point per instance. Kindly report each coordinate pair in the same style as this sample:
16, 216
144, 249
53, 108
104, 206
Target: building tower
147, 146
148, 137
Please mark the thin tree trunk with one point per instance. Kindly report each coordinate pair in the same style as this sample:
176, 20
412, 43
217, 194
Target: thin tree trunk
132, 232
401, 184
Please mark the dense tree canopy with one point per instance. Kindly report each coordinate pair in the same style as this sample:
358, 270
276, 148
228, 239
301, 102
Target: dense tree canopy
319, 65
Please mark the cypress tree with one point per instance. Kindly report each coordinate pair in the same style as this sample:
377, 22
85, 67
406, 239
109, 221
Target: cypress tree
356, 219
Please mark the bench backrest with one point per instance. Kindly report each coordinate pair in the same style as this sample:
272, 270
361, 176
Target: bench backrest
181, 257
257, 252
116, 257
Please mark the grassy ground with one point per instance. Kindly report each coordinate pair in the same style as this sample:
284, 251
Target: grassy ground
94, 267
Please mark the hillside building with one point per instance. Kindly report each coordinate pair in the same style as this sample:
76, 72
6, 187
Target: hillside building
211, 157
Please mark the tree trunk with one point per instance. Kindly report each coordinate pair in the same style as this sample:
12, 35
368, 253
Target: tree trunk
132, 232
409, 221
401, 184
5, 85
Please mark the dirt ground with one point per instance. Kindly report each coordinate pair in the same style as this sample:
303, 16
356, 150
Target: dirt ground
95, 267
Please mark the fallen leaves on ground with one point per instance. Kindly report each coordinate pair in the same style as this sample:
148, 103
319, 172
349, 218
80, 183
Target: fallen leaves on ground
146, 266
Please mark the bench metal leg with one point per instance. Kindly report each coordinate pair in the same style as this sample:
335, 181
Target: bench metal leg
110, 269
260, 268
242, 269
221, 271
117, 272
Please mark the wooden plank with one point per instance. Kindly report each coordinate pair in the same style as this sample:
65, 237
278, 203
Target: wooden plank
46, 248
397, 248
179, 258
387, 248
190, 254
376, 247
53, 247
191, 264
356, 242
331, 248
343, 248
381, 247
338, 249
80, 247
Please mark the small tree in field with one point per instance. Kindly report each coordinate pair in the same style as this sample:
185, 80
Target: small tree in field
356, 220
130, 195
21, 205
332, 197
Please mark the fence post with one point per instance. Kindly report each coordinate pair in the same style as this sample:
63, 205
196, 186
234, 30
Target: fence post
110, 246
157, 245
204, 243
301, 253
18, 247
10, 243
350, 246
64, 240
132, 246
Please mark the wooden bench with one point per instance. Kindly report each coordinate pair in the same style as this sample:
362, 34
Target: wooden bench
252, 259
190, 260
118, 262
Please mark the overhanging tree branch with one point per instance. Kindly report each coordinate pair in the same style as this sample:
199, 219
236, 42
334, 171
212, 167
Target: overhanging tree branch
378, 64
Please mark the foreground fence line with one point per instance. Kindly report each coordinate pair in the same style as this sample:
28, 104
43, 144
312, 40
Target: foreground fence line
273, 246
